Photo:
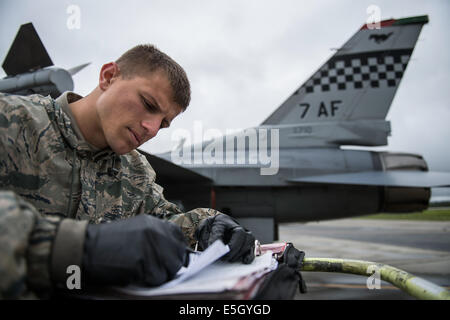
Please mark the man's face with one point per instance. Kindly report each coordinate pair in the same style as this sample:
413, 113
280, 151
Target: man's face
131, 111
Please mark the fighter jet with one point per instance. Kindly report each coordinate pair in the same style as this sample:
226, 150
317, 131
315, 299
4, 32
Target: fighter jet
29, 67
293, 167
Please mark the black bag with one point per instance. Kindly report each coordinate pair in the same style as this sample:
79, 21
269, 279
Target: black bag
281, 284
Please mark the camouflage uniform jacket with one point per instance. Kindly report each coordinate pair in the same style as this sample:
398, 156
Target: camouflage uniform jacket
45, 160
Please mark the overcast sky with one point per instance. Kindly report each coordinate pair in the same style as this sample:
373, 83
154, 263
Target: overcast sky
244, 58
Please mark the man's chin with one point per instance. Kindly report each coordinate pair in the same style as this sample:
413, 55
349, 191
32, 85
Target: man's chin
122, 149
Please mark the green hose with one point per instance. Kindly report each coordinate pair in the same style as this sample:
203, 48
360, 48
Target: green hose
414, 286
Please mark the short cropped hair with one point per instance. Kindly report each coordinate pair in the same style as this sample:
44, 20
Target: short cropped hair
146, 58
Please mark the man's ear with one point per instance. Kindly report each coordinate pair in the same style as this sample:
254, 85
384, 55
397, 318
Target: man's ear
108, 73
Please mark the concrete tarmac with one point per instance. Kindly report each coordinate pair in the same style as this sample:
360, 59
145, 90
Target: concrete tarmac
421, 248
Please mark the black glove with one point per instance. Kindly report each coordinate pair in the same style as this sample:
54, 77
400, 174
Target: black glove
141, 250
221, 226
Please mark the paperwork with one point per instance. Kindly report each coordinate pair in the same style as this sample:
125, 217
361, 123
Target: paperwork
198, 261
205, 274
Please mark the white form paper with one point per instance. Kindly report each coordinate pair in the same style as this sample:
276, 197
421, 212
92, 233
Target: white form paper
217, 277
199, 261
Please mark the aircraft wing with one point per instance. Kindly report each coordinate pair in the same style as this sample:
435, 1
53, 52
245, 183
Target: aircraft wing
399, 178
169, 173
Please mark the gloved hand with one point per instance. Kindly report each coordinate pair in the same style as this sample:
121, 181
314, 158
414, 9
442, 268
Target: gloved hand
141, 250
222, 226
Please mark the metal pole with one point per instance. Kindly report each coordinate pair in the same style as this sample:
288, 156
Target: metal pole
414, 286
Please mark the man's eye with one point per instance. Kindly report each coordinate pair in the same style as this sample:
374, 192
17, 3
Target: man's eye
164, 124
150, 107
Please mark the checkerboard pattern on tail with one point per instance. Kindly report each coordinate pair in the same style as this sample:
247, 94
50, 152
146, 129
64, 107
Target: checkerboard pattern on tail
358, 71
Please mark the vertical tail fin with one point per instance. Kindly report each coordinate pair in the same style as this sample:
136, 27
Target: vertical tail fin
359, 81
27, 52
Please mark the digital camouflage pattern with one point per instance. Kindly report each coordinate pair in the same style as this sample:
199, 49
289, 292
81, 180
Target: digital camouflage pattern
26, 240
44, 162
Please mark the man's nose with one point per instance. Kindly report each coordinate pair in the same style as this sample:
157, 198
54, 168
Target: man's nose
151, 127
